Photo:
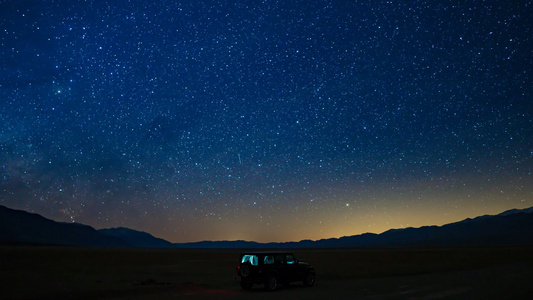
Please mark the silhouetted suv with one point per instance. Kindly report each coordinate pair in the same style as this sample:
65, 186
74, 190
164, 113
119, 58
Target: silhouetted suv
272, 269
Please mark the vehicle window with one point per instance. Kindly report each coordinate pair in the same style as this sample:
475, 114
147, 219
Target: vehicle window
290, 259
279, 259
252, 259
269, 260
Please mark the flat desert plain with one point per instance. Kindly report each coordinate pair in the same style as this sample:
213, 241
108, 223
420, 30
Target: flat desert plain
33, 272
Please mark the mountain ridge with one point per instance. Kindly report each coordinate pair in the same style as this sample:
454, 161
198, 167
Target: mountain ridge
21, 227
138, 239
511, 227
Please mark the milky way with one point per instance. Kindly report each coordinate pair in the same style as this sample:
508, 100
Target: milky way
265, 120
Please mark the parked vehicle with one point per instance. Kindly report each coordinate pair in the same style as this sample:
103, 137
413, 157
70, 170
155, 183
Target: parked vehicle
272, 269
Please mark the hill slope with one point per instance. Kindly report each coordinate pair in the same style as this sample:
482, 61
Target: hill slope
20, 227
136, 238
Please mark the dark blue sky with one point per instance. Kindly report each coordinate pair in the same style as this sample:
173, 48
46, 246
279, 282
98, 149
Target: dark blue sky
265, 120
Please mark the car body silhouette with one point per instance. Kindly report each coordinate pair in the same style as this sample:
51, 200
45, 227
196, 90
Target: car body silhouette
272, 269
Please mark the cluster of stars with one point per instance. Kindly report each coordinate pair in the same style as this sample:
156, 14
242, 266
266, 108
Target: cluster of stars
195, 120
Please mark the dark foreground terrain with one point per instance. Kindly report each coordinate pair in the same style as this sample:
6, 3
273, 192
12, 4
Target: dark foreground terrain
79, 273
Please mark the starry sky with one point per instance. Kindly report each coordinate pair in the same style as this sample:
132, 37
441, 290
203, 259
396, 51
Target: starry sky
265, 120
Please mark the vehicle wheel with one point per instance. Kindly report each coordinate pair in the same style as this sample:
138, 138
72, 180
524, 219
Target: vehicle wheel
246, 285
309, 279
271, 283
245, 270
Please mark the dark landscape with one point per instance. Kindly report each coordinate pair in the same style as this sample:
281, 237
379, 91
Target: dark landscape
414, 273
488, 257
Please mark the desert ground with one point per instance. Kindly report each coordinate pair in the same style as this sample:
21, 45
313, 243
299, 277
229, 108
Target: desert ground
35, 272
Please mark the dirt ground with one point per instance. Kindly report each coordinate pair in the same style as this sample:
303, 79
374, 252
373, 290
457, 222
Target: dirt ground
76, 273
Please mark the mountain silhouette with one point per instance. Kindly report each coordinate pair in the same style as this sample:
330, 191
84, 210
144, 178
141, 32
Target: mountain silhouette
136, 238
510, 228
20, 227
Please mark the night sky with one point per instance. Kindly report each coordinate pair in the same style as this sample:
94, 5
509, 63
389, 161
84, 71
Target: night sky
265, 120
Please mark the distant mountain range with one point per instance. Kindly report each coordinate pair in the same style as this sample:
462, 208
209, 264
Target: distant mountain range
512, 227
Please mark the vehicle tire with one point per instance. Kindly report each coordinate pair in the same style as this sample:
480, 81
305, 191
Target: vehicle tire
245, 270
309, 279
271, 283
246, 285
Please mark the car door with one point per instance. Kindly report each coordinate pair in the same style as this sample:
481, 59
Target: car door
291, 267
